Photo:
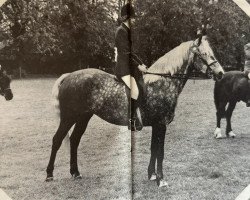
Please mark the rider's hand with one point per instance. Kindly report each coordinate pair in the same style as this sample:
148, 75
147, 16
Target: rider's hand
143, 68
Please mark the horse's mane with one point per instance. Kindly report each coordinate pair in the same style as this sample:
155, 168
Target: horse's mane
170, 63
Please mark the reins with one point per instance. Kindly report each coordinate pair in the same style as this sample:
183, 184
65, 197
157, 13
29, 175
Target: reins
191, 75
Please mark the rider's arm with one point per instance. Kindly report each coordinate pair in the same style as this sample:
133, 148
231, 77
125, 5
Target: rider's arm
136, 58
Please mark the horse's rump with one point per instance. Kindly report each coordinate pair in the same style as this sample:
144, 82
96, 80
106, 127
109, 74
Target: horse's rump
93, 91
55, 90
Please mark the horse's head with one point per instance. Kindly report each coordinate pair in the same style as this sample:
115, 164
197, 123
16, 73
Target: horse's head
204, 59
5, 85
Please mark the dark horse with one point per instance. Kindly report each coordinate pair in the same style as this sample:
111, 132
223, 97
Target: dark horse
5, 85
232, 88
83, 93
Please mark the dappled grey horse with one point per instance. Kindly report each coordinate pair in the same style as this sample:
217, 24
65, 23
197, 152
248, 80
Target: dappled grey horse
83, 93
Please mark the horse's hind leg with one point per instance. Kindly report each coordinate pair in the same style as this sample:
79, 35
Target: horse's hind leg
75, 138
229, 113
61, 132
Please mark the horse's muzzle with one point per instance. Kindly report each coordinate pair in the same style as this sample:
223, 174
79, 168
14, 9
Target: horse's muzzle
8, 95
218, 76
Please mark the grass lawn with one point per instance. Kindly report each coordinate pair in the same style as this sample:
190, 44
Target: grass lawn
196, 165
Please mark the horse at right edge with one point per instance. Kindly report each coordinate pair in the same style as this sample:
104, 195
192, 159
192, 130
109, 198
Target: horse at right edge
229, 90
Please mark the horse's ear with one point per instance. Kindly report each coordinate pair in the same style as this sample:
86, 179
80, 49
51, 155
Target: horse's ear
199, 37
204, 29
200, 33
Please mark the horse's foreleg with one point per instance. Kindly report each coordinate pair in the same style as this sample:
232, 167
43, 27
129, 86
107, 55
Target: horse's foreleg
157, 153
217, 132
63, 129
154, 148
229, 113
219, 115
75, 138
160, 155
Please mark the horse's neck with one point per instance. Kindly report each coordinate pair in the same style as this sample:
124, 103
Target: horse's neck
176, 63
181, 83
178, 83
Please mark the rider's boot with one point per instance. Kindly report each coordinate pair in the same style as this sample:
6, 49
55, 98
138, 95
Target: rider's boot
135, 123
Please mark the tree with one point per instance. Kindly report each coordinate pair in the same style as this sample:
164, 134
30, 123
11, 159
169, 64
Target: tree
162, 25
65, 34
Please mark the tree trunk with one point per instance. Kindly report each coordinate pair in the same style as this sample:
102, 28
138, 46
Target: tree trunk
20, 72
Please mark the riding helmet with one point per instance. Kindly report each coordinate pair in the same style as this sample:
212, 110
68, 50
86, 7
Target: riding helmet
127, 12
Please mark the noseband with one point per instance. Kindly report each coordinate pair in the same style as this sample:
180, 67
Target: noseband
201, 58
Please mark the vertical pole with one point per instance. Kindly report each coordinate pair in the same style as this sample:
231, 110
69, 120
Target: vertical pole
20, 71
20, 63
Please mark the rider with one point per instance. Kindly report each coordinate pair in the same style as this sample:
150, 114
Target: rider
127, 65
247, 67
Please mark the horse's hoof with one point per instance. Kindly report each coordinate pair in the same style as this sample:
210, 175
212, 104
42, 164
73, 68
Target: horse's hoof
231, 134
162, 183
218, 136
153, 177
217, 133
77, 177
49, 179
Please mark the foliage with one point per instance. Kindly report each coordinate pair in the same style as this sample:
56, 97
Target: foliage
65, 35
162, 25
73, 34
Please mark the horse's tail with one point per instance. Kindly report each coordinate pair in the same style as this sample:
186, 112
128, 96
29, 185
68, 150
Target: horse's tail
55, 92
56, 103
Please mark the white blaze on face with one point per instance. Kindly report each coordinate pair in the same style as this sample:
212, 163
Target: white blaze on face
206, 50
208, 54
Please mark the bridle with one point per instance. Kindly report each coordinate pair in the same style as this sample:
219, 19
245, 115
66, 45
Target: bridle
197, 53
190, 75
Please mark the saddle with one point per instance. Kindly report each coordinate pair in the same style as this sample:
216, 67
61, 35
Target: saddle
140, 84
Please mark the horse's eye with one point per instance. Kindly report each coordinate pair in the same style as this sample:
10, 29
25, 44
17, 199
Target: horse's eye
212, 57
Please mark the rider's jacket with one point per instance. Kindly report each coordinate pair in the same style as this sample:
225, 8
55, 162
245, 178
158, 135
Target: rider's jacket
127, 61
